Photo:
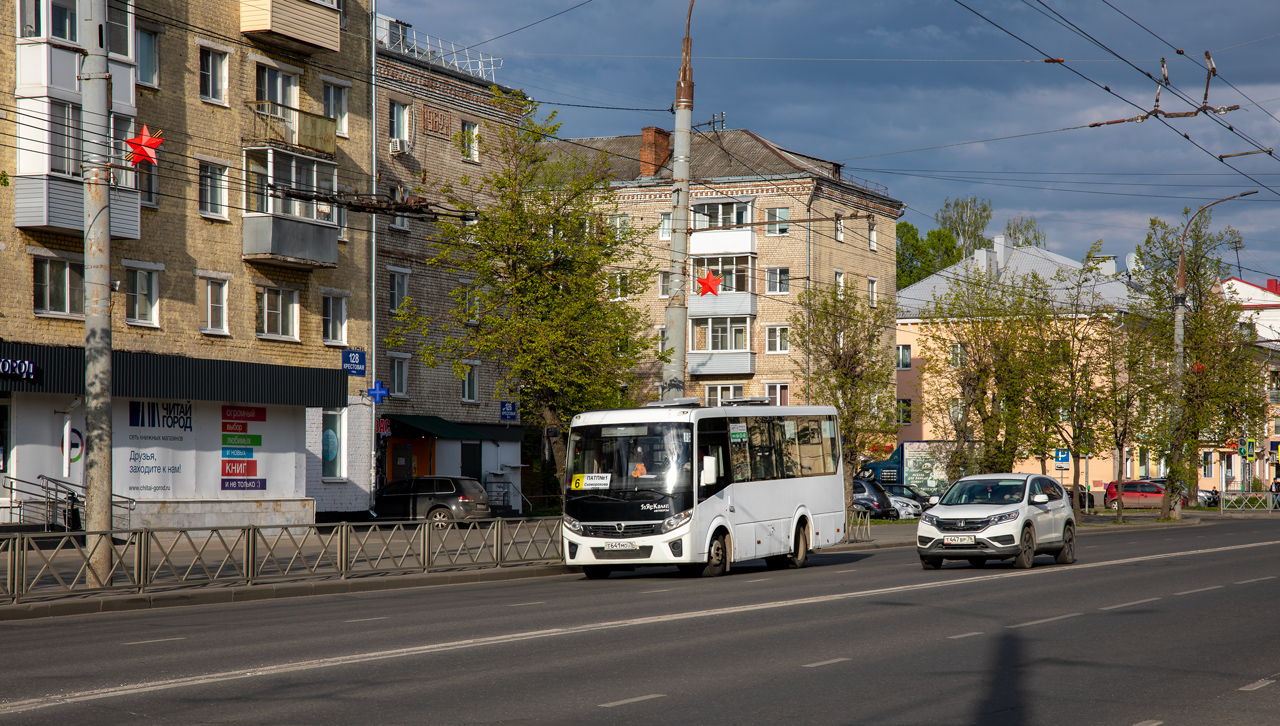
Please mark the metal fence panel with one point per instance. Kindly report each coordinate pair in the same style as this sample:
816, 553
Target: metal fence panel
388, 547
60, 563
530, 540
858, 526
1247, 501
290, 551
183, 556
465, 544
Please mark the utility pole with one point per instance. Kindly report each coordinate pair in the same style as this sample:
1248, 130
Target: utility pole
95, 82
673, 371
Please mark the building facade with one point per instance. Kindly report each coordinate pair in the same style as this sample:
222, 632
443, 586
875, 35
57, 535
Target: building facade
236, 301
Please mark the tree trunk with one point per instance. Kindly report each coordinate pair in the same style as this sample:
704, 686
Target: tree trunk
1118, 467
1044, 467
550, 421
1075, 486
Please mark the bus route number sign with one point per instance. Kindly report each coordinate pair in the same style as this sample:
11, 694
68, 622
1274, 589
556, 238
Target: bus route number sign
738, 432
591, 481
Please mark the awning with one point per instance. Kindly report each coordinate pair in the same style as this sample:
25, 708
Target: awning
434, 426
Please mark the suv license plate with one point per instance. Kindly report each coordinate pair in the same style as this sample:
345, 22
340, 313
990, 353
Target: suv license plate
620, 546
957, 539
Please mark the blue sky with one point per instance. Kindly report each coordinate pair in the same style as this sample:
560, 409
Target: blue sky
859, 81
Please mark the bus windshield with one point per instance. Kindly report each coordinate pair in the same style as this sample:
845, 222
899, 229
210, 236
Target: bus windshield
630, 457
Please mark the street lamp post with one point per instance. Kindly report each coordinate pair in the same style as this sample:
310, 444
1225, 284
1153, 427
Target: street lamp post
1179, 313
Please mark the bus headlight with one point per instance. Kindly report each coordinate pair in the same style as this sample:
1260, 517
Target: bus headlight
573, 524
676, 520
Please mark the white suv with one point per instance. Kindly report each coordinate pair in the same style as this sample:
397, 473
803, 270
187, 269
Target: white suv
998, 517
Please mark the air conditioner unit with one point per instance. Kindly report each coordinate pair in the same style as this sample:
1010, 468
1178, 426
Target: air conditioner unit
399, 146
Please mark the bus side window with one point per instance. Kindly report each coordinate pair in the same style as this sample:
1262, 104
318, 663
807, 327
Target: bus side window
831, 443
809, 434
786, 446
713, 441
760, 438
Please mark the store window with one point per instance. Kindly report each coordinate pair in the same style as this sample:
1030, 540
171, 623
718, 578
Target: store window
333, 462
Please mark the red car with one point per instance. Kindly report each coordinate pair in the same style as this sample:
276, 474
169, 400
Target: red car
1138, 495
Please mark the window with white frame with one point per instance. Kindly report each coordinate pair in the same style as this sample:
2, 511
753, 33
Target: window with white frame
777, 339
62, 19
122, 129
58, 287
335, 105
716, 394
140, 296
271, 170
904, 411
64, 138
398, 221
399, 288
957, 411
664, 226
872, 291
213, 75
958, 358
398, 120
279, 91
777, 281
1207, 464
904, 357
214, 296
662, 337
470, 141
148, 184
278, 312
400, 376
871, 236
333, 319
839, 283
618, 286
471, 382
723, 214
340, 218
620, 223
779, 394
716, 334
118, 27
333, 459
736, 272
213, 190
778, 222
148, 58
664, 284
839, 227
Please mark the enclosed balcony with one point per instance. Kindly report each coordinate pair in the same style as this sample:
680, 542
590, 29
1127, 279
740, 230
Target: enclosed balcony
726, 303
290, 221
276, 123
303, 26
52, 203
724, 362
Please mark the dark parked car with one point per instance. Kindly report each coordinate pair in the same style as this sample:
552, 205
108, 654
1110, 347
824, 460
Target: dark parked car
872, 497
1143, 494
440, 499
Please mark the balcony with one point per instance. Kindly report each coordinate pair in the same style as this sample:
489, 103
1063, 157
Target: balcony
726, 304
303, 26
290, 242
723, 242
49, 203
721, 362
275, 123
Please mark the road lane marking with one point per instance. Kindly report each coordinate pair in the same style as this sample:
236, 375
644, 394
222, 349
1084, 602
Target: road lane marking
1256, 579
365, 620
825, 662
1148, 723
159, 640
1256, 685
1046, 620
964, 635
650, 592
841, 572
1201, 589
763, 579
1127, 604
522, 604
31, 704
637, 699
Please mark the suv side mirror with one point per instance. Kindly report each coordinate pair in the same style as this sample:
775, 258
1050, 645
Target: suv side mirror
1040, 499
708, 471
934, 499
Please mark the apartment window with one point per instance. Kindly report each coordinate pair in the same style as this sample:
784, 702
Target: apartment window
333, 319
724, 214
471, 382
213, 190
140, 296
62, 19
958, 357
213, 76
215, 306
340, 218
279, 90
30, 20
470, 141
904, 411
399, 120
335, 105
1227, 461
398, 221
121, 129
777, 281
839, 227
400, 376
904, 357
957, 411
620, 223
277, 312
1277, 427
268, 168
662, 338
839, 283
664, 284
65, 144
716, 394
333, 464
118, 27
777, 339
734, 271
1207, 464
59, 287
399, 289
778, 224
713, 334
148, 58
147, 186
618, 286
664, 226
779, 393
872, 285
871, 239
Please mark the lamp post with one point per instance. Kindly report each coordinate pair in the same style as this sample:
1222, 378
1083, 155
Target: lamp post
1179, 313
677, 331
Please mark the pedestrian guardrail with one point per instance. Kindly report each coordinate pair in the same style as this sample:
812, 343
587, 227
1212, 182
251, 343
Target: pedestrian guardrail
1230, 501
45, 564
857, 526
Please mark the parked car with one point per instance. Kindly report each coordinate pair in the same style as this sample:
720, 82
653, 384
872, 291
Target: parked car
440, 499
907, 508
1000, 517
872, 497
1140, 494
907, 491
1207, 497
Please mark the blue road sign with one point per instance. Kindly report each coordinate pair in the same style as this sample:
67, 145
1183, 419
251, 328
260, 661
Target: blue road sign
1062, 456
508, 412
353, 362
378, 392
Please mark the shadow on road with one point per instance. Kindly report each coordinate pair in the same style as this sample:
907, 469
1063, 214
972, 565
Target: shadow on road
1005, 703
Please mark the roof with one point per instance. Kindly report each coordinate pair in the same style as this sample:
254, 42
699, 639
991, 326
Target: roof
438, 427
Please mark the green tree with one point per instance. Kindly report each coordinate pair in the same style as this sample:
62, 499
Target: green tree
918, 258
1131, 375
1024, 231
966, 219
548, 271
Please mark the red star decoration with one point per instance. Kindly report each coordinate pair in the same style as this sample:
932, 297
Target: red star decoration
144, 146
709, 284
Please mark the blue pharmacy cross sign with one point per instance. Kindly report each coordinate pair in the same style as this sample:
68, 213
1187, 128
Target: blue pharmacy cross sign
378, 392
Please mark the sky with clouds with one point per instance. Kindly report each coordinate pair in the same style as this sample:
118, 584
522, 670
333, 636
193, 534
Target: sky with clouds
862, 81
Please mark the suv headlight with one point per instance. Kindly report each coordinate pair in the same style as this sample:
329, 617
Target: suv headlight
676, 520
1001, 518
573, 524
929, 519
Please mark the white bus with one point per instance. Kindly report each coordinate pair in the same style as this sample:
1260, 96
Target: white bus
678, 484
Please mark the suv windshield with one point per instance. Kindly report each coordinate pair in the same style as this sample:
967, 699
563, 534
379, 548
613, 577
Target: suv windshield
630, 457
985, 491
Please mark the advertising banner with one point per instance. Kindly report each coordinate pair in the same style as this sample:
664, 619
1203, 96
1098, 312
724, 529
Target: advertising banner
923, 467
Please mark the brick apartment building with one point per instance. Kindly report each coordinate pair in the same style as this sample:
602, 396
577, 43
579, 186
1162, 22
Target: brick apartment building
739, 340
235, 302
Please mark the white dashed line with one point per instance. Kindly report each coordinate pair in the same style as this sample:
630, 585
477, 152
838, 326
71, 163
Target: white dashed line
1256, 579
763, 579
825, 662
522, 604
964, 635
650, 592
160, 640
1256, 685
841, 572
1148, 723
365, 620
1127, 604
1046, 620
637, 699
1201, 589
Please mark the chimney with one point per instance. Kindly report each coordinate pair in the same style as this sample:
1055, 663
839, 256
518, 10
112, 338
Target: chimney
655, 149
1002, 250
1273, 286
1106, 264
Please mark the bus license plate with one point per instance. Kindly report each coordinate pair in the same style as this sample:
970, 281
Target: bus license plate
622, 545
957, 539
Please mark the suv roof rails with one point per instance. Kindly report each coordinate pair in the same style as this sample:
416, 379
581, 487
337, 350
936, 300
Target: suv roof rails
675, 403
756, 401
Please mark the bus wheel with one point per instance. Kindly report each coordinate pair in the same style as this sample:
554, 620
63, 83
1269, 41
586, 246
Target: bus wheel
717, 557
800, 554
596, 572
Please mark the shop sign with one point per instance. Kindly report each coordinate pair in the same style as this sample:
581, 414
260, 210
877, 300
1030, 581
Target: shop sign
384, 427
19, 368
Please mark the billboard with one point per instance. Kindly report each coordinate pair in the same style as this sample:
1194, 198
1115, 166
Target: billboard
924, 467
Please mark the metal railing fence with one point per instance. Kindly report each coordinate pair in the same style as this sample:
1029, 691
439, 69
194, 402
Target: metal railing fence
46, 564
56, 503
1238, 501
857, 526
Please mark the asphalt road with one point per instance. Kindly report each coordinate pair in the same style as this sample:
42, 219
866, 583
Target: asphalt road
1174, 626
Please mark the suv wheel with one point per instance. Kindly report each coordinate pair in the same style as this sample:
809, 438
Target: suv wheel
1027, 552
1067, 554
